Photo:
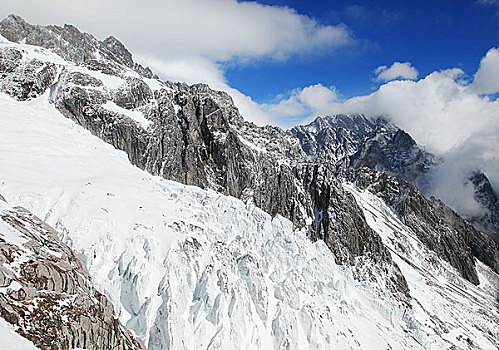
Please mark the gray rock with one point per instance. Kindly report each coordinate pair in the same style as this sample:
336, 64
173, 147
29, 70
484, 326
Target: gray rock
24, 79
71, 44
48, 294
135, 93
488, 220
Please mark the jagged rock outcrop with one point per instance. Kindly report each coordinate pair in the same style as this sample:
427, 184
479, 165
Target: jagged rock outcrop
71, 44
435, 224
356, 141
46, 292
24, 79
488, 220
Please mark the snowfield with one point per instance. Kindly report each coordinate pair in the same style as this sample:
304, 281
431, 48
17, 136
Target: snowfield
188, 268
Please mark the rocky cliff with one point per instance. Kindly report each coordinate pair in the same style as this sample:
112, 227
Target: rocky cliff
488, 220
436, 225
46, 292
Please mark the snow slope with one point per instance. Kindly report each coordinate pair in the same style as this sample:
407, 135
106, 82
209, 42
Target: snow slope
190, 268
445, 304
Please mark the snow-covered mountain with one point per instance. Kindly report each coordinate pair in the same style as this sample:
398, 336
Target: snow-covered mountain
268, 243
354, 141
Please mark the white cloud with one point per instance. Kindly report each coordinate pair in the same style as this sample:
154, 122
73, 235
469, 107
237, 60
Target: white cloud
190, 70
443, 113
486, 80
220, 30
301, 103
397, 70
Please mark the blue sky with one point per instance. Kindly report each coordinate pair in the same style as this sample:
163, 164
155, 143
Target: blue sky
432, 35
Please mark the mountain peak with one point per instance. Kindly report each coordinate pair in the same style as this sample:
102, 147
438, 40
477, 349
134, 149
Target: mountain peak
70, 43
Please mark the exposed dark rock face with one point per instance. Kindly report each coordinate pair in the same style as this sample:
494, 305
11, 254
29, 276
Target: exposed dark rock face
47, 292
199, 138
436, 225
488, 221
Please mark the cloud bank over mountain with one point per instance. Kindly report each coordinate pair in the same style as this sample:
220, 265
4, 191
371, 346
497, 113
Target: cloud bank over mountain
447, 112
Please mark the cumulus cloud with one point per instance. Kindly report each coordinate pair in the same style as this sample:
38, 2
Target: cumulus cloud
486, 80
443, 113
312, 100
397, 70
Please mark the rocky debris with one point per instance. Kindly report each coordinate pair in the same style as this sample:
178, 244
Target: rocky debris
46, 292
488, 220
436, 225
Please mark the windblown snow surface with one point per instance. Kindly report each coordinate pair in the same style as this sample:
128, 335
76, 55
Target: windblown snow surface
188, 268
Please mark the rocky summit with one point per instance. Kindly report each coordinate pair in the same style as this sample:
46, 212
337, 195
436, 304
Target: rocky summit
316, 180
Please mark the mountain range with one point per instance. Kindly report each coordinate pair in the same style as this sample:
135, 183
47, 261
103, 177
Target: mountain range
204, 230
